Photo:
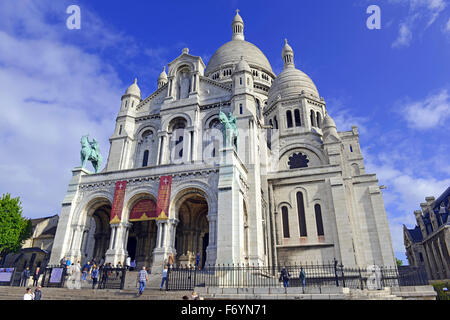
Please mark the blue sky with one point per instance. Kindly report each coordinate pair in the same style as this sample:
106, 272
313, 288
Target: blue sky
59, 84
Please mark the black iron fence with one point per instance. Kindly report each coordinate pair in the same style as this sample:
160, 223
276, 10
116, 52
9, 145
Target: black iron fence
112, 278
305, 275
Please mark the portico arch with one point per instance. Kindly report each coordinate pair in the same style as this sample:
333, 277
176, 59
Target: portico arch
95, 231
140, 240
190, 209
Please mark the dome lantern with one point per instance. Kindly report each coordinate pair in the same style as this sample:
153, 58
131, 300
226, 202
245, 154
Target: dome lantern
288, 55
237, 27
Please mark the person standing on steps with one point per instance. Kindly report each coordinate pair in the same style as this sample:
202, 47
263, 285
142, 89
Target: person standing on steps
164, 277
25, 276
38, 293
143, 278
94, 276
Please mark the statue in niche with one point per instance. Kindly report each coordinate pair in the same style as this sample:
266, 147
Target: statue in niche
184, 85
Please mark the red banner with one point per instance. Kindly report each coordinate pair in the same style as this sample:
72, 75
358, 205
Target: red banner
162, 206
143, 210
119, 195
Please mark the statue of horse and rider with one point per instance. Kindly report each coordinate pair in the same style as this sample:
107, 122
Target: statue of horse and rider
229, 129
90, 152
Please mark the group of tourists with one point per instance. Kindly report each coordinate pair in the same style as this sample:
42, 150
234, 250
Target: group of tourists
285, 276
30, 295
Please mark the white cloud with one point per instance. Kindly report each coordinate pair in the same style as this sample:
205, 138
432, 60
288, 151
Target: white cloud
447, 26
429, 113
422, 14
405, 191
404, 36
52, 92
345, 117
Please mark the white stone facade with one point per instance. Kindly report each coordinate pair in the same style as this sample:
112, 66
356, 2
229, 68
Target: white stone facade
231, 206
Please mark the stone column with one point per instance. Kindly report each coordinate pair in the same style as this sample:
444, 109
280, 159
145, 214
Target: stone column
69, 206
211, 251
229, 215
75, 248
162, 249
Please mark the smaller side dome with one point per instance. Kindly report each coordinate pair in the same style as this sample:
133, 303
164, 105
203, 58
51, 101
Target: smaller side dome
329, 130
134, 89
163, 74
162, 79
328, 122
242, 66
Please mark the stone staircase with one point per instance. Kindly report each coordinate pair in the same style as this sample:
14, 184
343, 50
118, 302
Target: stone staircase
357, 294
16, 293
154, 281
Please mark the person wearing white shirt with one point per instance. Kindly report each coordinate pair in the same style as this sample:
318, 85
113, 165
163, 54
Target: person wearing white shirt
29, 295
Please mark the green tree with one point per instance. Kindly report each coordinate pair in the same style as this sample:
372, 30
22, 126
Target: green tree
14, 229
398, 262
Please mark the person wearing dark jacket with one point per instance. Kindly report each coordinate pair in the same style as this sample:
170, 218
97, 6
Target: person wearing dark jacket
24, 277
36, 277
285, 277
38, 293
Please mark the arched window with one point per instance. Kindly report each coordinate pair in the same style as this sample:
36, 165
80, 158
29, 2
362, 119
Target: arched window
298, 122
319, 120
301, 215
313, 119
178, 126
289, 118
120, 130
258, 108
319, 221
145, 160
351, 148
285, 218
276, 122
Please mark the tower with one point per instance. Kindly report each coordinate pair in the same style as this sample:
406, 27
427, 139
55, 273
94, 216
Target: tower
122, 138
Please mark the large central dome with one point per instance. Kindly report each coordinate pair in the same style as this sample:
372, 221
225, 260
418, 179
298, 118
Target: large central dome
231, 52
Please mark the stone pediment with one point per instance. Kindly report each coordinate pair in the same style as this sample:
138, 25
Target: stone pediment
210, 89
153, 102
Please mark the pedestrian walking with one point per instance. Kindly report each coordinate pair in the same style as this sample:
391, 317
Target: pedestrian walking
285, 277
24, 277
302, 277
86, 269
94, 276
197, 261
38, 293
36, 276
143, 278
28, 295
164, 277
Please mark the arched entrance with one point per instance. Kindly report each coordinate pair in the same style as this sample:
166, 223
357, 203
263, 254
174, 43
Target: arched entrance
96, 242
141, 242
143, 231
192, 234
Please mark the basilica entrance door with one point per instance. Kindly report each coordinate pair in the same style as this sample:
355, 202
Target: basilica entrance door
192, 233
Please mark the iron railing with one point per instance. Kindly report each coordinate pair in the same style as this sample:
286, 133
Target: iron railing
112, 278
332, 274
